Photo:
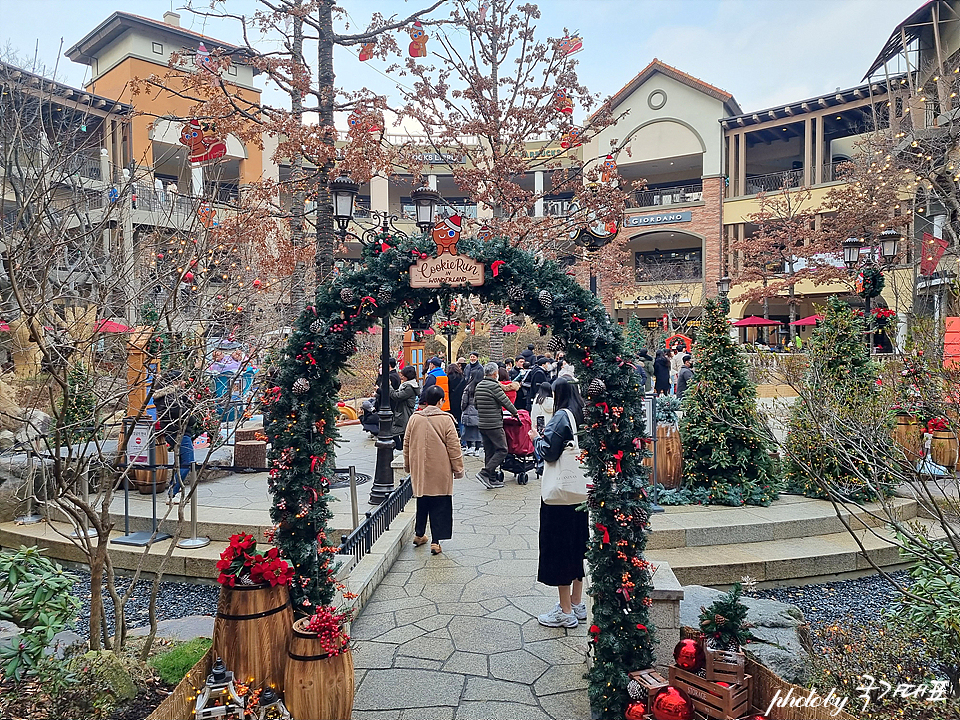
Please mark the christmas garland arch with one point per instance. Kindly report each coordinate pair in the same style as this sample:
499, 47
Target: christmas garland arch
301, 425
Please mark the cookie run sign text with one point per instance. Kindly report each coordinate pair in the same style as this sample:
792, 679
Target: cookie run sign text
446, 270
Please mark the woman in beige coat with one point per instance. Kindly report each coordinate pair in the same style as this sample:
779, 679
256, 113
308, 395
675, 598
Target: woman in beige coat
431, 454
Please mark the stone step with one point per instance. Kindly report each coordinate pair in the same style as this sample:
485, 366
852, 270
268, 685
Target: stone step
793, 561
789, 517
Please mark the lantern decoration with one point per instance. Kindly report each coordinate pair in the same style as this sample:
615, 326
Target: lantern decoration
384, 294
572, 138
689, 655
609, 169
219, 698
366, 50
446, 234
562, 102
636, 711
272, 707
418, 44
569, 45
546, 299
301, 386
596, 387
484, 233
672, 703
347, 296
202, 142
316, 326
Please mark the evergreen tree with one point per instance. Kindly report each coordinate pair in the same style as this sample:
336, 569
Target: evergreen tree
725, 622
842, 378
78, 416
635, 338
725, 440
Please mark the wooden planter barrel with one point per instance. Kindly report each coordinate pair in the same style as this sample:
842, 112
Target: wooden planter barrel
908, 435
669, 457
944, 448
316, 685
143, 479
251, 632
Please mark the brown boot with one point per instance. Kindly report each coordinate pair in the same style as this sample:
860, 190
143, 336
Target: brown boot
435, 549
419, 540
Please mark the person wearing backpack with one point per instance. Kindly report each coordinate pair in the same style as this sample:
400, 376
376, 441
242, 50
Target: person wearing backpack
532, 380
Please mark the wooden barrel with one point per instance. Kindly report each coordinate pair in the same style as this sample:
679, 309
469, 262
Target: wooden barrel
908, 435
251, 632
669, 457
316, 685
143, 478
944, 448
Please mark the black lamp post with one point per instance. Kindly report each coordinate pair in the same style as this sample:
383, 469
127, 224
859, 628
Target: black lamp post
889, 241
449, 331
723, 290
344, 191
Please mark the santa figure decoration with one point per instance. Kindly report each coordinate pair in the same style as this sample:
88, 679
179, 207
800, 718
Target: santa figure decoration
562, 102
446, 234
608, 170
366, 51
418, 46
569, 45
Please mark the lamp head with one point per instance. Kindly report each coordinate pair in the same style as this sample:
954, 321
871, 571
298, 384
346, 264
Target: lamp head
851, 252
344, 192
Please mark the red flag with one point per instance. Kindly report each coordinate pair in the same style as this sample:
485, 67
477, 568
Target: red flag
400, 359
932, 251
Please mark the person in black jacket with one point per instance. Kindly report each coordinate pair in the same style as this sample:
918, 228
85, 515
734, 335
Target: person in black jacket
473, 372
529, 355
564, 529
532, 380
456, 382
661, 372
491, 401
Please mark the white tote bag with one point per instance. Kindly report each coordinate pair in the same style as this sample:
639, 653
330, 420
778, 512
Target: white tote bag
564, 482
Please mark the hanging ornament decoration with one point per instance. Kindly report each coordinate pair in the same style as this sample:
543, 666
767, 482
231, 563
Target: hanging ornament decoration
301, 386
672, 703
202, 141
596, 387
446, 234
555, 344
932, 250
756, 716
546, 299
482, 10
689, 655
384, 294
316, 326
636, 711
569, 44
347, 295
202, 59
367, 50
484, 233
363, 119
562, 102
418, 44
572, 138
515, 293
348, 346
608, 170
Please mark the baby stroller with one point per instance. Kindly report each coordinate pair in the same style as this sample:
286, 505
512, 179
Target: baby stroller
520, 458
369, 419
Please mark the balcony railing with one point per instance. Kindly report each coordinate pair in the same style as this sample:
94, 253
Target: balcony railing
667, 196
669, 272
771, 182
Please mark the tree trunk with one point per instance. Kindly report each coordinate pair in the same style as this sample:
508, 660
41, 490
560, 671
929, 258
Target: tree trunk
323, 262
298, 281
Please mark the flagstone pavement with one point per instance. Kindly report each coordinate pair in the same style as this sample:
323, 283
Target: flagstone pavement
455, 636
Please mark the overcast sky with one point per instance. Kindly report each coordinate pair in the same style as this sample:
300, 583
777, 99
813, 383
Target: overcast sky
765, 52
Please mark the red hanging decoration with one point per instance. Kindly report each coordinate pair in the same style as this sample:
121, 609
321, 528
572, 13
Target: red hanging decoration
689, 655
569, 45
608, 169
366, 51
572, 138
562, 102
495, 266
635, 711
606, 534
618, 456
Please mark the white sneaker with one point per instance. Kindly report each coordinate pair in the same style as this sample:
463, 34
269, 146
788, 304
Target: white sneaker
558, 618
579, 610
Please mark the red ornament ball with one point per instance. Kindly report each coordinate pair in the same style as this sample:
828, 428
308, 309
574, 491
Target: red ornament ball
689, 655
188, 277
756, 716
635, 711
257, 283
672, 704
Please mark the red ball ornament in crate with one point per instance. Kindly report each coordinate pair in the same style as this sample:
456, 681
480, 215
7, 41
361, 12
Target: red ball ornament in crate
689, 655
635, 711
672, 704
756, 716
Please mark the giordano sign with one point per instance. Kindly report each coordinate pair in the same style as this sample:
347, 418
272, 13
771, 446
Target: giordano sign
661, 219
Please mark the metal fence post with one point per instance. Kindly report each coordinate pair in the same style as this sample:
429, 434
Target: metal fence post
193, 542
30, 517
353, 497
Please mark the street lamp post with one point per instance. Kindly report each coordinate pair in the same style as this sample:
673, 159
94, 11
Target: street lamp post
449, 331
592, 234
344, 192
889, 242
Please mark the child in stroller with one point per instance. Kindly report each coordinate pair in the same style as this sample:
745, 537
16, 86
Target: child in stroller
520, 458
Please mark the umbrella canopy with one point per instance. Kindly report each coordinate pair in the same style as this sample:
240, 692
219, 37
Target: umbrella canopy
511, 328
754, 321
4, 327
809, 320
109, 326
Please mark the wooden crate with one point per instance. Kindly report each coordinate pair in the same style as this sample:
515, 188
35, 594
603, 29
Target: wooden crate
650, 680
724, 665
714, 701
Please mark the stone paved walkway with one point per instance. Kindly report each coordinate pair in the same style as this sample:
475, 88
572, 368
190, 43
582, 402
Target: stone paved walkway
455, 636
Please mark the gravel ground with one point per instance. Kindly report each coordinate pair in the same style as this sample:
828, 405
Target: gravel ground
175, 600
843, 602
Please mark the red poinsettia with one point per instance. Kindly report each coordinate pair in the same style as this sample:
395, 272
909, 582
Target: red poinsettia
937, 424
240, 559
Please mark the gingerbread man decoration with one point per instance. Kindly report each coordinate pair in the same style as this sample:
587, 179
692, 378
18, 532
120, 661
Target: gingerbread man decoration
484, 233
608, 169
562, 102
446, 234
366, 51
572, 138
202, 147
569, 45
418, 48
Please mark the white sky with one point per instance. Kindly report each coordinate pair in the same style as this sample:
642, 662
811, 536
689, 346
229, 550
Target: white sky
765, 52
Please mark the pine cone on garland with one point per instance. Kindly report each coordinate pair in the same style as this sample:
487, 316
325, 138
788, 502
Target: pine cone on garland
316, 326
555, 344
301, 386
635, 690
515, 293
596, 387
546, 299
348, 346
384, 294
346, 295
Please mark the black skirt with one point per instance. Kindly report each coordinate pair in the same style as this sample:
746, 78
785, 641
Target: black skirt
564, 532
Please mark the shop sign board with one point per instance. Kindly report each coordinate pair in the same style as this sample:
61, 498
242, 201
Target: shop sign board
660, 219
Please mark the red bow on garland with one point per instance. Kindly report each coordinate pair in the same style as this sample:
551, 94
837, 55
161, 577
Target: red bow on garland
618, 456
606, 408
495, 266
577, 319
606, 534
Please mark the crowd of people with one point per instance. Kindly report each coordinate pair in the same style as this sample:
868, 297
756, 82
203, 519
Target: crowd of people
669, 372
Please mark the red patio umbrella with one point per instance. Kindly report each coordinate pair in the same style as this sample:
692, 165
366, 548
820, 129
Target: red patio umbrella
109, 326
809, 320
511, 328
4, 327
754, 321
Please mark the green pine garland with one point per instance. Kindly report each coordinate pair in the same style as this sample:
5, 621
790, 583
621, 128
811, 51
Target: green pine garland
303, 433
725, 621
725, 441
843, 378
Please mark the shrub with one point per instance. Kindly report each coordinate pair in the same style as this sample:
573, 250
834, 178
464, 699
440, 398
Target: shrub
173, 664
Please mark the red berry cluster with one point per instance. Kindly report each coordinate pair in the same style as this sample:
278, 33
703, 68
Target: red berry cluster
327, 623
